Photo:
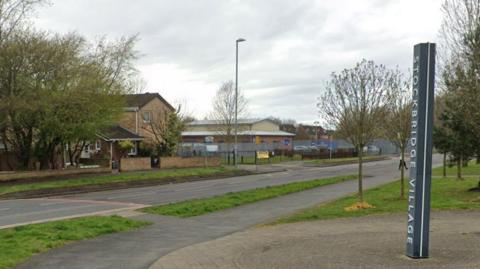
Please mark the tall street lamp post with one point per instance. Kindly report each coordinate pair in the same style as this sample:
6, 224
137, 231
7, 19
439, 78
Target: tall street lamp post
331, 146
235, 150
316, 124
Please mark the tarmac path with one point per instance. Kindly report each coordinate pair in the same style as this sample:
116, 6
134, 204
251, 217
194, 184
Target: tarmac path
373, 242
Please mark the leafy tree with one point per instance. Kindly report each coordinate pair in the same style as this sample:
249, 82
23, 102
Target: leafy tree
441, 135
26, 67
167, 132
456, 133
460, 121
125, 146
58, 92
173, 135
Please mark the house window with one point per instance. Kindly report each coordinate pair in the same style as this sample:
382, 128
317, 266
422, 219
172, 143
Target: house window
147, 117
98, 145
133, 151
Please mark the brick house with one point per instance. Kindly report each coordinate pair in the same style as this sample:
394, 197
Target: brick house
310, 132
304, 131
142, 111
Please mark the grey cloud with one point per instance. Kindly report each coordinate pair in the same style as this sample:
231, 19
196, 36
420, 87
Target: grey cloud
291, 49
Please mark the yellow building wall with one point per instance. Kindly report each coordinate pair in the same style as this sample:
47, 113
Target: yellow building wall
266, 126
215, 128
200, 128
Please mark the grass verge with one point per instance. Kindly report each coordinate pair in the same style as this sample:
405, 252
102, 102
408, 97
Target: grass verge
169, 175
198, 207
447, 194
20, 243
473, 169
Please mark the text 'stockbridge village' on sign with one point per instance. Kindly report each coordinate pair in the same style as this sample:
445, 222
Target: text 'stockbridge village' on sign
421, 151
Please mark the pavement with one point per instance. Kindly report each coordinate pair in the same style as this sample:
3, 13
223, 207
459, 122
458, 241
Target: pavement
366, 242
142, 248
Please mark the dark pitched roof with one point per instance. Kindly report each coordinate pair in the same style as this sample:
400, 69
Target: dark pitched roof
117, 132
141, 99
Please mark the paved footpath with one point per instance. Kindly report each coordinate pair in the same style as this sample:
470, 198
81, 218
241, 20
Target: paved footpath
141, 248
373, 242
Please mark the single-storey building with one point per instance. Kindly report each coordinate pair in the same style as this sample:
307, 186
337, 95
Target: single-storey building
252, 131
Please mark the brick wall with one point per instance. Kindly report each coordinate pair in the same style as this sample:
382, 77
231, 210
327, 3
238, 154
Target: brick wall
8, 176
135, 164
7, 161
179, 162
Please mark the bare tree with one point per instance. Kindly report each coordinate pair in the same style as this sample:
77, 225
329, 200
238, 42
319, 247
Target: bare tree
459, 38
166, 130
224, 109
461, 18
184, 113
117, 57
353, 103
398, 117
13, 14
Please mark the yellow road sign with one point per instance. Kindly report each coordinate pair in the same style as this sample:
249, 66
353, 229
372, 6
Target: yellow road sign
262, 155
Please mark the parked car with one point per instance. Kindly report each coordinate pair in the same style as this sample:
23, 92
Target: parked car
371, 149
300, 148
314, 148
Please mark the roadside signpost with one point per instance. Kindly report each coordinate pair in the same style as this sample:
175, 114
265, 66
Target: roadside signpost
421, 151
263, 155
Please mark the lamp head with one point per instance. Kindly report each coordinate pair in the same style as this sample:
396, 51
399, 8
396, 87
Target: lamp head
240, 40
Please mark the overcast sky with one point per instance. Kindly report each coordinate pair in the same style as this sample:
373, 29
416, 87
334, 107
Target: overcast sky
187, 47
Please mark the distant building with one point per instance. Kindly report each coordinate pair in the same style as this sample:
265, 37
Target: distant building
256, 131
304, 131
290, 128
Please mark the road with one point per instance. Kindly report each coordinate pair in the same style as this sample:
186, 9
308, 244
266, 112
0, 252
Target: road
17, 212
142, 248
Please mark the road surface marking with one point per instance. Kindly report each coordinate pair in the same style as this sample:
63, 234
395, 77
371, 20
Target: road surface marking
98, 213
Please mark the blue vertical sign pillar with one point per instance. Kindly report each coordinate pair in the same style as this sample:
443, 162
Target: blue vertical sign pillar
421, 151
